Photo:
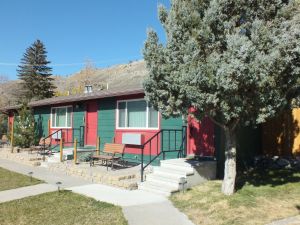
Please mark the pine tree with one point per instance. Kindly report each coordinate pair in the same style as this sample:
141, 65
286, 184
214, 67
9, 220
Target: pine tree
35, 73
24, 132
235, 61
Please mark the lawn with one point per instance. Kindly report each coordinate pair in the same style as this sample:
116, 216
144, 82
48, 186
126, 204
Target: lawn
60, 208
10, 180
262, 196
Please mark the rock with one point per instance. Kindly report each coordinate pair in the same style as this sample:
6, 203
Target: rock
283, 163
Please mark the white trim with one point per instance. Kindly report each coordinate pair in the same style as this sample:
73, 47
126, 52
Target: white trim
126, 119
71, 117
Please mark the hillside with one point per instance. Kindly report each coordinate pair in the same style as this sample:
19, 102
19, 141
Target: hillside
118, 76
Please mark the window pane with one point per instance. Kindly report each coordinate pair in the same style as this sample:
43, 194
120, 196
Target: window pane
136, 113
60, 117
69, 116
122, 112
53, 117
152, 118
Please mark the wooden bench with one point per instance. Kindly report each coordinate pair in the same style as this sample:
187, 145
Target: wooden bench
40, 147
109, 154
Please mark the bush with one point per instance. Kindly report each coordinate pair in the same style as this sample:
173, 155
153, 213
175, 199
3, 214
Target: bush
24, 135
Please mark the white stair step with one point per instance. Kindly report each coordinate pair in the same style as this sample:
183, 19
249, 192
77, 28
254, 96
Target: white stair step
154, 190
182, 162
166, 177
163, 182
157, 187
173, 170
187, 170
168, 187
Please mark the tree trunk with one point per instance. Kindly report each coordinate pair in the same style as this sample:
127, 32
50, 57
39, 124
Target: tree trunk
228, 184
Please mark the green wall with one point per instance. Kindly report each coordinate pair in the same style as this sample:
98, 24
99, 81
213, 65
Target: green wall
106, 120
41, 117
248, 146
78, 120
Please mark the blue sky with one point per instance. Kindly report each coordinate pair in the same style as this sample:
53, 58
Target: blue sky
73, 31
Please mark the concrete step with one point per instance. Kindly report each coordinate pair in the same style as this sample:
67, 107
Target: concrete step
173, 170
181, 161
156, 188
178, 166
164, 177
164, 186
163, 182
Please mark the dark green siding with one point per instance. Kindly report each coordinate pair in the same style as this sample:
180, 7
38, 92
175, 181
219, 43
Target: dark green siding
41, 117
248, 145
78, 120
106, 120
168, 142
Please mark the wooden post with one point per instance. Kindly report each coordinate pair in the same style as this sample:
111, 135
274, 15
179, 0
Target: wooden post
49, 131
61, 149
12, 136
98, 146
75, 150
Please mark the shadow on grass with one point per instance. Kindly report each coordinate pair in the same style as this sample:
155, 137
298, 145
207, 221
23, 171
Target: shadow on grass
273, 178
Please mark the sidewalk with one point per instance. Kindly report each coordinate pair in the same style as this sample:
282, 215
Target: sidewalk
139, 207
18, 193
287, 221
43, 174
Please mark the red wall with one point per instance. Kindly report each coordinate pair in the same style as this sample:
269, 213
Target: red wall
66, 134
146, 133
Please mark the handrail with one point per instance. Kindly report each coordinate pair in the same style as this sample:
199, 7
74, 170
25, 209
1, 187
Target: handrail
44, 140
161, 151
81, 137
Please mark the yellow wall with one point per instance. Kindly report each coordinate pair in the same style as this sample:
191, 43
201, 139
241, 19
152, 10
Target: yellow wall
281, 135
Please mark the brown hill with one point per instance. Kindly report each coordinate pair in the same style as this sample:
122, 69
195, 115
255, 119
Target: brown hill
118, 76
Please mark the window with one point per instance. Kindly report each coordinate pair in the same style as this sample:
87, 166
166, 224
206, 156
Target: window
136, 114
61, 117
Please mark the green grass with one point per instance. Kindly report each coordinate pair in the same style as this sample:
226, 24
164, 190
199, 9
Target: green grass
262, 196
60, 208
11, 180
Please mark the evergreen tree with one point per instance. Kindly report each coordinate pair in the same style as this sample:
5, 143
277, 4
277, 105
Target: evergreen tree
235, 61
24, 132
35, 73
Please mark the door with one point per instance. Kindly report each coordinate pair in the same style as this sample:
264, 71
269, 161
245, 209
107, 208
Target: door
91, 123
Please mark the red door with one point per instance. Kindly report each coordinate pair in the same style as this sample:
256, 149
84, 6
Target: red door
200, 137
91, 123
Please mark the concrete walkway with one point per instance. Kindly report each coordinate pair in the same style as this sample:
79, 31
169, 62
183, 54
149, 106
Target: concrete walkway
139, 207
43, 174
287, 221
18, 193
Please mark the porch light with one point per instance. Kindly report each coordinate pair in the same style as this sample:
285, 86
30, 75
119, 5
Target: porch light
30, 175
58, 185
183, 184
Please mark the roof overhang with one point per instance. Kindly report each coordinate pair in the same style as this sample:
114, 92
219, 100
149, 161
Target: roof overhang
77, 98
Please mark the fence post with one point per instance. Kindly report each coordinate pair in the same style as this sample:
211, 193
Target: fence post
75, 150
12, 136
98, 146
61, 149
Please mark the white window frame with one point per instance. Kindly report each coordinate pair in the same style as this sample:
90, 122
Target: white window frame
126, 121
51, 122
